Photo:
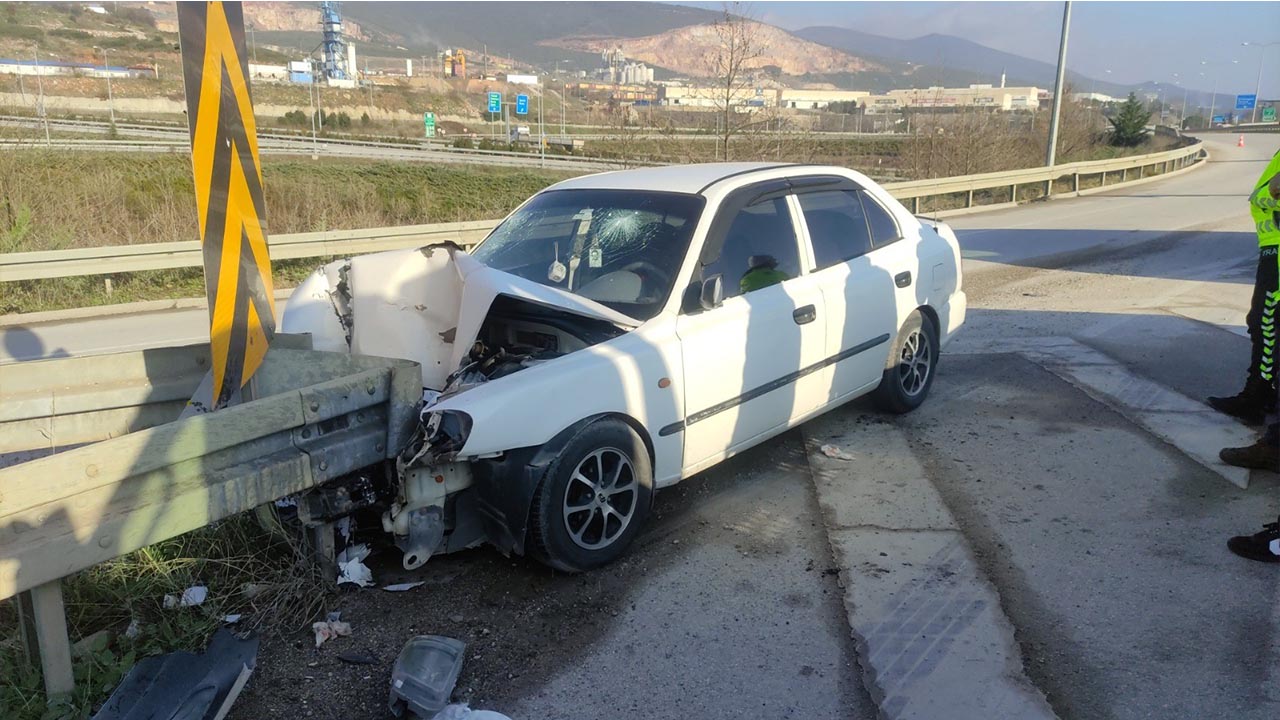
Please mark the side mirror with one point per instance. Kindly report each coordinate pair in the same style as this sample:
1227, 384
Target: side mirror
712, 293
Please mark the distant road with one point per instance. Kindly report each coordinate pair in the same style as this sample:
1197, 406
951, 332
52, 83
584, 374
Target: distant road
145, 138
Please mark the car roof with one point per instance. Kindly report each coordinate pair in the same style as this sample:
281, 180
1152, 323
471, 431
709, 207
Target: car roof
692, 179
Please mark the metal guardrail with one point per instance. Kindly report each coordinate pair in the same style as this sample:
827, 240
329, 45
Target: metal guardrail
160, 256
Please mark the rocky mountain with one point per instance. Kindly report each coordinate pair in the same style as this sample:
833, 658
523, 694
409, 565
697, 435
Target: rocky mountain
688, 50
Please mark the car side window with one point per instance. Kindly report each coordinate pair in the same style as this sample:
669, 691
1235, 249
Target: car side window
837, 226
884, 229
759, 250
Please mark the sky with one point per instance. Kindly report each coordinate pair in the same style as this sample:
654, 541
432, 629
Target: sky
1136, 41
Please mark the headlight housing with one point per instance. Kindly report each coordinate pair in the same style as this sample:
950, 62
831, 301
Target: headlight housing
446, 431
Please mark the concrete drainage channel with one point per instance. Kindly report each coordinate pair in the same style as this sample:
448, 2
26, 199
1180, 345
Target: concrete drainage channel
932, 639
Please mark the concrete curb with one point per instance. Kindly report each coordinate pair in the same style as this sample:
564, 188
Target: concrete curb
102, 311
931, 636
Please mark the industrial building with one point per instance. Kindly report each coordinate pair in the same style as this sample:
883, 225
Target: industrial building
818, 99
974, 96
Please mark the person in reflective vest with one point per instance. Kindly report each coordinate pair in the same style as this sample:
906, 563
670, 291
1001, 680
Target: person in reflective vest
1260, 392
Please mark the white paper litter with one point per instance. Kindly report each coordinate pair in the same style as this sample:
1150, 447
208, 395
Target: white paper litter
191, 597
351, 567
232, 619
401, 587
832, 451
329, 629
134, 629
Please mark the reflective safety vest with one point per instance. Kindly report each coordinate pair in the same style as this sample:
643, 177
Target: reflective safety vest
1266, 209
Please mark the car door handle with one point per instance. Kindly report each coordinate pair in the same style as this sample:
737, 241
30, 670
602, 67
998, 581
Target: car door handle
902, 279
805, 315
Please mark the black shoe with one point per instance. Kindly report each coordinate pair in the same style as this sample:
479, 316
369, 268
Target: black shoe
1258, 456
1263, 547
1249, 407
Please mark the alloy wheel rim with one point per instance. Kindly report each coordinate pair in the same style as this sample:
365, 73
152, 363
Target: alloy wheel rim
600, 499
915, 363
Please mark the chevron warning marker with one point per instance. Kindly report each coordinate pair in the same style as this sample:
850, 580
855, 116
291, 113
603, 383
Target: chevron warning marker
228, 185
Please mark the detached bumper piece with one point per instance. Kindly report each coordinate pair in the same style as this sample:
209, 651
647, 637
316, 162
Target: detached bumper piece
185, 685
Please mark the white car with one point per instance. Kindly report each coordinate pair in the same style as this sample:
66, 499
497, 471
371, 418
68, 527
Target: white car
620, 332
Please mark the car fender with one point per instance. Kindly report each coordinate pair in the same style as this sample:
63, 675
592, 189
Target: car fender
636, 375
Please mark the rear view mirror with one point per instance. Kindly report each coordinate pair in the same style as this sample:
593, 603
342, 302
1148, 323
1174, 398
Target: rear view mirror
712, 293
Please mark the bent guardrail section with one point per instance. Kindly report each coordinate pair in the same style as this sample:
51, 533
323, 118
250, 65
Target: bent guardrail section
145, 476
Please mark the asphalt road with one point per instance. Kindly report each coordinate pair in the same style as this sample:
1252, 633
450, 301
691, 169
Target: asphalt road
1065, 436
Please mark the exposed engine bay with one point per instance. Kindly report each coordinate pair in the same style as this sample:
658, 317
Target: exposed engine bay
466, 325
516, 335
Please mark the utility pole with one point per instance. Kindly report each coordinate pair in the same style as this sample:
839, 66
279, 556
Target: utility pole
542, 131
564, 99
254, 42
1051, 151
111, 101
315, 148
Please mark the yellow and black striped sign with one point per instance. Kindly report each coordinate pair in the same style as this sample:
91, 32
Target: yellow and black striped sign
228, 184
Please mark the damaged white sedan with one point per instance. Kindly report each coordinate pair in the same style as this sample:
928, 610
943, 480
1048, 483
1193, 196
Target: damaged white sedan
620, 332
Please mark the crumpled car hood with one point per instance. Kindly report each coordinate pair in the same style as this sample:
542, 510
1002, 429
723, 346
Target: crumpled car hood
425, 305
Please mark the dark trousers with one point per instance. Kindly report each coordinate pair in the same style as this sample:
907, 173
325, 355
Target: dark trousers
1261, 321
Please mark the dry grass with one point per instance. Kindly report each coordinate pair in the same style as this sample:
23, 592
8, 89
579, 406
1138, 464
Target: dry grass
260, 574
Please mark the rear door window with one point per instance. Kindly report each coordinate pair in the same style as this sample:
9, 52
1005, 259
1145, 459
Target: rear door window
837, 226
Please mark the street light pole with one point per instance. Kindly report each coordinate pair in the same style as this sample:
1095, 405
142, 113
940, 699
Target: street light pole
1257, 87
111, 101
1057, 88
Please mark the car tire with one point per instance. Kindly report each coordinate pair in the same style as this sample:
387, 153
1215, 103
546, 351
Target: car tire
909, 372
593, 498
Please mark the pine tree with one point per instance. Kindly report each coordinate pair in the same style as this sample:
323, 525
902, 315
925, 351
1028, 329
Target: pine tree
1129, 126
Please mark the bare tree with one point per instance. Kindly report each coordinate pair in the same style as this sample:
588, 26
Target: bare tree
738, 48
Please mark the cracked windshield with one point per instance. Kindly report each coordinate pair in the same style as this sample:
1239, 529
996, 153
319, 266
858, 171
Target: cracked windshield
621, 249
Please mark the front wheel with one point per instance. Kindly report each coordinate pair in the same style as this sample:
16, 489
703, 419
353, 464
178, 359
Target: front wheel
593, 499
909, 373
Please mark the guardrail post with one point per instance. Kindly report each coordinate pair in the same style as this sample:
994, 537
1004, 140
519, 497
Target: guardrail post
1075, 183
1124, 174
1013, 193
51, 632
1048, 187
968, 201
915, 206
1141, 169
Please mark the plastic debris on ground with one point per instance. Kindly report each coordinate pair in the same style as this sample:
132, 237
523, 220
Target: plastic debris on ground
401, 587
185, 685
424, 674
134, 629
351, 567
190, 597
832, 451
331, 627
232, 619
356, 658
462, 712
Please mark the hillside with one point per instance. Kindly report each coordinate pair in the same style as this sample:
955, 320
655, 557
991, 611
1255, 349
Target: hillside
942, 53
688, 50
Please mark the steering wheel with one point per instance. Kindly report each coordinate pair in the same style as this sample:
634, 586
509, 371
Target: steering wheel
649, 272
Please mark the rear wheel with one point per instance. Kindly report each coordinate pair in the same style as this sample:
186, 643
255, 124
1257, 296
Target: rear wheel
908, 375
593, 499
